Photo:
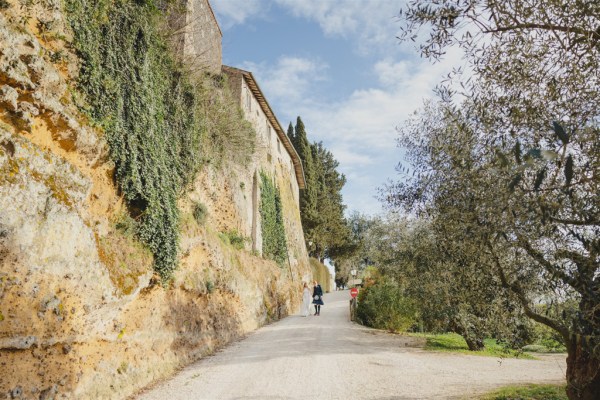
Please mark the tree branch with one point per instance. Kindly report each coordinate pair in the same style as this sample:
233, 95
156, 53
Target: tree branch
539, 258
595, 35
566, 221
518, 290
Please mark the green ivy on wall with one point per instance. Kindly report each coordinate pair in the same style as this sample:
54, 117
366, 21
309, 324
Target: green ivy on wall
274, 245
136, 91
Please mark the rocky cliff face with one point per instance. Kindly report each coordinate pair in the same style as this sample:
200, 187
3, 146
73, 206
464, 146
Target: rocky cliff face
82, 315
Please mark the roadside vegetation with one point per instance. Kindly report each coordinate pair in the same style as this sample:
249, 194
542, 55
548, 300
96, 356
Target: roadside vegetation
410, 286
528, 392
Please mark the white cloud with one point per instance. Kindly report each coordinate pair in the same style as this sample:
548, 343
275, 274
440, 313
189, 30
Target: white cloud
360, 129
350, 156
234, 12
369, 116
290, 79
369, 23
390, 73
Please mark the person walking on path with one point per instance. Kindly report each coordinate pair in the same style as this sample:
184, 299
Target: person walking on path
317, 297
305, 300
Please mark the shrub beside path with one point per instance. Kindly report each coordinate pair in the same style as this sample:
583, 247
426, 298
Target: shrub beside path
328, 357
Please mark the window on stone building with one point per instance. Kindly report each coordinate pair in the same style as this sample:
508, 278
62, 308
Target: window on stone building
248, 100
279, 146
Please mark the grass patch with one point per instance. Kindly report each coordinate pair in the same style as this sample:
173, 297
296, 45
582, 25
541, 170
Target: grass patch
455, 343
528, 392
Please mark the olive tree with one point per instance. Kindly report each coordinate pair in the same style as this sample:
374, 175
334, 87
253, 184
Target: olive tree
447, 285
510, 162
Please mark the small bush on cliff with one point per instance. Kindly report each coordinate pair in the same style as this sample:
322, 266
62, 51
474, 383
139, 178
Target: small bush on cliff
228, 136
200, 213
234, 238
274, 244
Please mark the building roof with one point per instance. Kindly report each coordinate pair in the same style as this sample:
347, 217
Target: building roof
258, 94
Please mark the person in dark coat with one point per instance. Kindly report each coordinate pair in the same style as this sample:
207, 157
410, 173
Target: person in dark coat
317, 297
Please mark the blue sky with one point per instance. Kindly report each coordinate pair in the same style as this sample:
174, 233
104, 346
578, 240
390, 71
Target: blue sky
338, 65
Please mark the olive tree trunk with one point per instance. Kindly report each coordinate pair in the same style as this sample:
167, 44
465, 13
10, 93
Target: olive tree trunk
583, 370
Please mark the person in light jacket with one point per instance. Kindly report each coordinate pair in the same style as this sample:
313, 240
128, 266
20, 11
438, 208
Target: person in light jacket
305, 300
317, 297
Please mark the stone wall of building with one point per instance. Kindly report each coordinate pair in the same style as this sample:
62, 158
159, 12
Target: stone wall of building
272, 158
203, 44
196, 35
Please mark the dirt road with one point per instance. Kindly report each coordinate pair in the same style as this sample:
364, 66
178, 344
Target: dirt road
327, 357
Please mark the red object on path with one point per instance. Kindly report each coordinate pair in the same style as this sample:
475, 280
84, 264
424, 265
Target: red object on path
354, 292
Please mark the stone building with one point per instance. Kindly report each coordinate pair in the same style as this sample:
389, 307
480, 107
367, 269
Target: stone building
198, 39
197, 35
275, 155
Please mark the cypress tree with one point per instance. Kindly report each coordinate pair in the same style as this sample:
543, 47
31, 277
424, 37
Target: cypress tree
308, 197
321, 206
290, 133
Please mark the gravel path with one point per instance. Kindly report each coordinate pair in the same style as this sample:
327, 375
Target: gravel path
328, 357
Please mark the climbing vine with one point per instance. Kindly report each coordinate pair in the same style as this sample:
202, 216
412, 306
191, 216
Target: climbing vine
271, 212
147, 106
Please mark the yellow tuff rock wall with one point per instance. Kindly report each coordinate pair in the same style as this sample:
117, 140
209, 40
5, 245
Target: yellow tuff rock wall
82, 313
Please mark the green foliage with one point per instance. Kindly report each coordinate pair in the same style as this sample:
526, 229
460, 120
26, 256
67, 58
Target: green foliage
147, 106
273, 231
125, 224
228, 137
528, 392
234, 238
200, 213
451, 291
384, 306
531, 95
210, 287
357, 252
308, 197
321, 203
548, 339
